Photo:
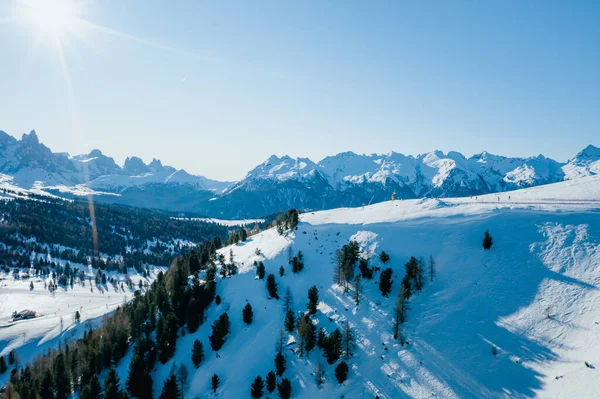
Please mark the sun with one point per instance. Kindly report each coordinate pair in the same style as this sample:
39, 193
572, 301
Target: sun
51, 20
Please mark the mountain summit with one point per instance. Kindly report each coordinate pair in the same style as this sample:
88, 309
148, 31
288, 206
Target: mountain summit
280, 183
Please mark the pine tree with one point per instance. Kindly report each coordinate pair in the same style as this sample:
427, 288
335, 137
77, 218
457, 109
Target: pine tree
197, 353
182, 377
3, 366
272, 286
279, 363
405, 290
365, 270
290, 322
247, 314
384, 257
220, 329
86, 393
341, 372
400, 315
348, 340
432, 269
313, 299
271, 381
337, 268
193, 315
358, 289
332, 347
284, 389
12, 357
281, 271
487, 240
321, 336
214, 382
287, 300
170, 389
385, 281
260, 270
95, 387
62, 380
47, 386
257, 388
111, 386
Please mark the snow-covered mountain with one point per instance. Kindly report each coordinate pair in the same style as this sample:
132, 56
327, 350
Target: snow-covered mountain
32, 164
280, 183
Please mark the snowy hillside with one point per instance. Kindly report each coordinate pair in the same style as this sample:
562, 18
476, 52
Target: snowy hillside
55, 311
534, 297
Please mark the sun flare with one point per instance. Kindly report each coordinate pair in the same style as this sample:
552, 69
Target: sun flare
52, 20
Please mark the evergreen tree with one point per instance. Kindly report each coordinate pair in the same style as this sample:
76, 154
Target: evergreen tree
111, 386
313, 299
405, 290
279, 363
214, 382
341, 372
12, 357
247, 314
287, 300
139, 382
47, 386
220, 329
197, 353
260, 270
385, 281
86, 393
432, 268
487, 240
182, 377
400, 314
95, 387
321, 336
332, 347
281, 271
257, 388
290, 322
384, 257
307, 334
272, 286
348, 340
3, 366
170, 389
193, 315
271, 381
365, 270
358, 289
62, 380
284, 389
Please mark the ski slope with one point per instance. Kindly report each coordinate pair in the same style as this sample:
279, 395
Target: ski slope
545, 260
55, 321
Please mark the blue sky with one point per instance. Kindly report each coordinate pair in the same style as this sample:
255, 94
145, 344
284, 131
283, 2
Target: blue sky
216, 87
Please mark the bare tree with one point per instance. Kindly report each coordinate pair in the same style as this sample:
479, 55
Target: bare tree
280, 341
319, 374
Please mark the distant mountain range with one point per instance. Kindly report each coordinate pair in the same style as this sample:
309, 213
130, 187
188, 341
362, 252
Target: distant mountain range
280, 183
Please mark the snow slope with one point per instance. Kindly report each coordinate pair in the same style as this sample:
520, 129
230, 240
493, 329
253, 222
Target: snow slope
55, 322
546, 258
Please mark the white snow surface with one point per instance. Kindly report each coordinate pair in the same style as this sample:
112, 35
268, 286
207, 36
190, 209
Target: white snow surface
545, 260
55, 322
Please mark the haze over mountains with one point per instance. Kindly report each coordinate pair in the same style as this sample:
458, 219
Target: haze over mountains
279, 183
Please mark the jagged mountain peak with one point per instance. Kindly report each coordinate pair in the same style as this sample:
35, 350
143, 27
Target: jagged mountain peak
30, 137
